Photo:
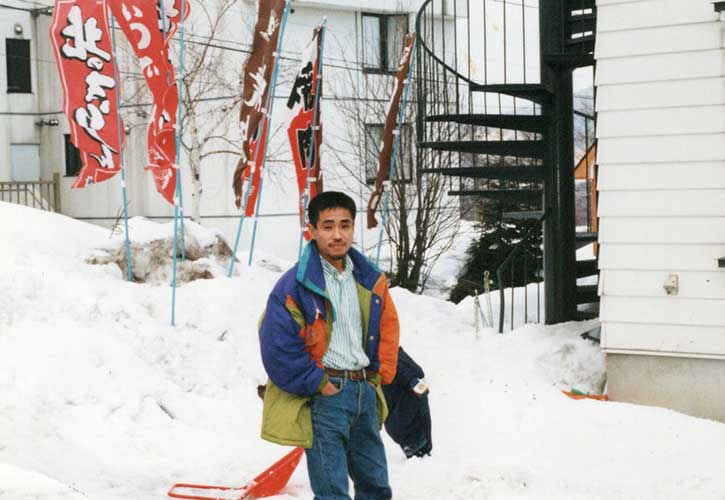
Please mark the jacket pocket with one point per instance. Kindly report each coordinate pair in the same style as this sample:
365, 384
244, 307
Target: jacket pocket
286, 418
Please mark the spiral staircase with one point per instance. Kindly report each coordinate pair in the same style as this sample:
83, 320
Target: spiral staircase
495, 116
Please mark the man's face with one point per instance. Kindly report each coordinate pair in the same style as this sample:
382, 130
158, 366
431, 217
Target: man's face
334, 233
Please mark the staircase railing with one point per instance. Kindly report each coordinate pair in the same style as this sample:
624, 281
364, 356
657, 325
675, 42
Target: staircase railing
528, 256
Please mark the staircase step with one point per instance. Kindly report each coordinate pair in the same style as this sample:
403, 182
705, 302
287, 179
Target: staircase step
527, 123
511, 173
584, 239
580, 4
575, 60
587, 294
581, 45
586, 268
582, 23
521, 149
532, 91
528, 196
585, 315
523, 215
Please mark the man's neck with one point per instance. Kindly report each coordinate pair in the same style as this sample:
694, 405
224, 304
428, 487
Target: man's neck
338, 264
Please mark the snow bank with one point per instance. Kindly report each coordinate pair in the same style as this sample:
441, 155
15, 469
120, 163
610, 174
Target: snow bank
102, 399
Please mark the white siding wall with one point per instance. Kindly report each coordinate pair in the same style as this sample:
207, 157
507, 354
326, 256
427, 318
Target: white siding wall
661, 131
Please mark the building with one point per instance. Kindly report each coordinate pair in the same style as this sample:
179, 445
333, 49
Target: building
660, 107
362, 47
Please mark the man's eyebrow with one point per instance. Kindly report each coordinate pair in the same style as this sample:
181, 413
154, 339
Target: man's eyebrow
329, 221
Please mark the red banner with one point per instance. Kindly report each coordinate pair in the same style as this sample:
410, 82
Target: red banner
82, 45
255, 173
143, 23
391, 120
304, 137
257, 79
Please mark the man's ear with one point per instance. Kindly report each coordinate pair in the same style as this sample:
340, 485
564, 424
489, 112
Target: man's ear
311, 229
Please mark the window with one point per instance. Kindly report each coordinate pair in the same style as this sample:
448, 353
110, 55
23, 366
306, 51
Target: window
382, 41
72, 158
18, 65
403, 164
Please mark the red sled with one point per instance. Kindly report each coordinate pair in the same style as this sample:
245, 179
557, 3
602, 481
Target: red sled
268, 483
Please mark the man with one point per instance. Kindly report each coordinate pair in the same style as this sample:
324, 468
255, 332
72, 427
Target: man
329, 338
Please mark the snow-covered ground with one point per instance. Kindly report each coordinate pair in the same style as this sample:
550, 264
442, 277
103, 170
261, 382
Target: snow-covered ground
101, 399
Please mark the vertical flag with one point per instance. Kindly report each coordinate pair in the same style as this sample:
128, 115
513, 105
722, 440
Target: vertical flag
386, 148
82, 47
143, 23
304, 140
257, 76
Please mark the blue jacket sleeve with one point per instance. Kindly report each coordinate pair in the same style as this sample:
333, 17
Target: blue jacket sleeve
285, 360
408, 371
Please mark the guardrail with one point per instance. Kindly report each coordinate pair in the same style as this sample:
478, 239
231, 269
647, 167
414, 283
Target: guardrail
44, 195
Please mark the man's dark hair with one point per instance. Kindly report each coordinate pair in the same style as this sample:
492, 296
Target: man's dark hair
327, 200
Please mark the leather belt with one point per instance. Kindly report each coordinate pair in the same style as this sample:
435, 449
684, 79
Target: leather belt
351, 374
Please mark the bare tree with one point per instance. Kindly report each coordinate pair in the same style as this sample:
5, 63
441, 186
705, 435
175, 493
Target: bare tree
211, 93
422, 219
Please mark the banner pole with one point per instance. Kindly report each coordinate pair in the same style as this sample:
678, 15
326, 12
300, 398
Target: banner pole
129, 273
315, 127
264, 125
178, 206
396, 143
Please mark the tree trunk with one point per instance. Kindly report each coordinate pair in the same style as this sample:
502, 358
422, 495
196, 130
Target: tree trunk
195, 167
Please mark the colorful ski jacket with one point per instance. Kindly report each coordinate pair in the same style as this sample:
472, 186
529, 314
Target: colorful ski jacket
294, 334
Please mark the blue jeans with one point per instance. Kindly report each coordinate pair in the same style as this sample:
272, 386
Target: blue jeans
346, 441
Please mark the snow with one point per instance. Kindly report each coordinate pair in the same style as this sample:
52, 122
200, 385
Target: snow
103, 400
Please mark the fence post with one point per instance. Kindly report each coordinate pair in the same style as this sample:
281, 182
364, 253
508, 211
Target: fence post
56, 192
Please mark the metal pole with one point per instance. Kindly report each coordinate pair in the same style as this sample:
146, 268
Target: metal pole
260, 130
559, 249
270, 107
396, 143
129, 274
178, 208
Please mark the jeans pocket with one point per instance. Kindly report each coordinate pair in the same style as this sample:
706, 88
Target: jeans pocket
338, 383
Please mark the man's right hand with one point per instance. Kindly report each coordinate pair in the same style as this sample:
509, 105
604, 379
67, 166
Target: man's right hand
329, 389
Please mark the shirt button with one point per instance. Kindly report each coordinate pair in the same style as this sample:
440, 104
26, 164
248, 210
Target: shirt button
372, 338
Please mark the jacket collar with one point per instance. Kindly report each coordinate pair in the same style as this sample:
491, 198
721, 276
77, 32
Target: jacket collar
310, 274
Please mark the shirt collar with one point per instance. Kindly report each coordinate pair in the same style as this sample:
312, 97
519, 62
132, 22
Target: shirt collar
331, 272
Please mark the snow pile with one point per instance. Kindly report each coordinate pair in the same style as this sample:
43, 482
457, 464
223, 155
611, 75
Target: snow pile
103, 400
206, 253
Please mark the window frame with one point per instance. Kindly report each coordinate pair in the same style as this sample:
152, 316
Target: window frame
71, 153
384, 67
14, 67
408, 174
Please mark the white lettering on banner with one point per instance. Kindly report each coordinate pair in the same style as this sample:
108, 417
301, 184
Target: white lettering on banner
244, 129
82, 38
260, 85
97, 83
91, 120
105, 161
148, 67
271, 27
145, 40
85, 36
